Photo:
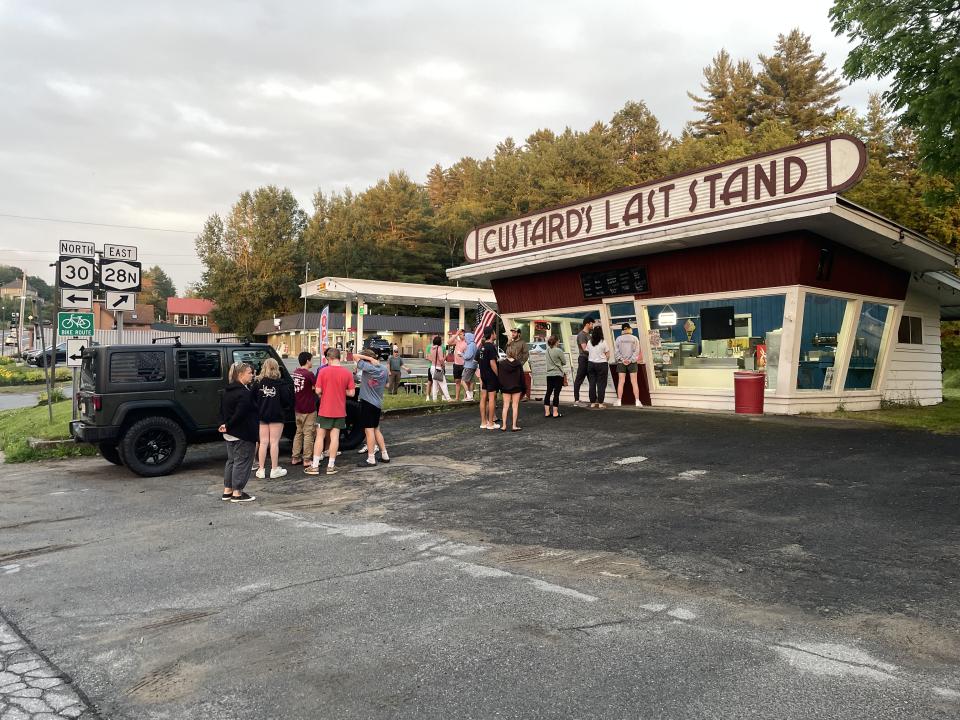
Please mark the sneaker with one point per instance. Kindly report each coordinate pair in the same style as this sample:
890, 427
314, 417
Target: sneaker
495, 426
311, 470
366, 463
616, 403
226, 496
384, 459
332, 470
469, 397
243, 497
277, 472
362, 450
261, 473
577, 403
638, 403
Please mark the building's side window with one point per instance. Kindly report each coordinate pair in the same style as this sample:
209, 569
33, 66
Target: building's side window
910, 331
822, 328
203, 320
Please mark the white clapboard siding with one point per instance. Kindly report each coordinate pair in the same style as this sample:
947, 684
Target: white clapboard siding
145, 337
914, 375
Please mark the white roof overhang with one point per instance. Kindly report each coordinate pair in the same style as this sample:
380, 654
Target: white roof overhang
830, 216
394, 293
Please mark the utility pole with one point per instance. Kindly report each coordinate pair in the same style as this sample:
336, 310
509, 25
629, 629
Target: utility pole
306, 279
23, 308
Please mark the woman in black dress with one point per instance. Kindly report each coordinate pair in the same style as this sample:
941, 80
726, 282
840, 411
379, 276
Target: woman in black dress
512, 386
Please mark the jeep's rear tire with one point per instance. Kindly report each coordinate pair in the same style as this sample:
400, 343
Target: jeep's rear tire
352, 435
110, 453
153, 446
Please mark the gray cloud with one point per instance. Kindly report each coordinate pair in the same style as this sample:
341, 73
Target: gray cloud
158, 114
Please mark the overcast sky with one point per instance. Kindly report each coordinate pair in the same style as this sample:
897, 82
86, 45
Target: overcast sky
158, 114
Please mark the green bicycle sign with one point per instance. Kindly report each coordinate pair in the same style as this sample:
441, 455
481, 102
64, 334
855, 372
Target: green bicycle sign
70, 324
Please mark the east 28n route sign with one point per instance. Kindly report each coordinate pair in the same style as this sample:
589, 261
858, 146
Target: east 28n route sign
120, 275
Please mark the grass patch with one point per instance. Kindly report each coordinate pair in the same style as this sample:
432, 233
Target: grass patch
18, 425
404, 401
943, 419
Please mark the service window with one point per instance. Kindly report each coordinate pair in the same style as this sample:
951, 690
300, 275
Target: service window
199, 364
138, 367
911, 330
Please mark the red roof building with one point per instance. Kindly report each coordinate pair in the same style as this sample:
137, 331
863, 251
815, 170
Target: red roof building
191, 312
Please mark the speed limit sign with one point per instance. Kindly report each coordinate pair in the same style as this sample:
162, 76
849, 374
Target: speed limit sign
76, 272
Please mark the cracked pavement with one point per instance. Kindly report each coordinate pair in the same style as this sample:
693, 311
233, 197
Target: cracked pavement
805, 572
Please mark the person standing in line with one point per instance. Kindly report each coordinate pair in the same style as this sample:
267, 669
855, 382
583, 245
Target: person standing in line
274, 398
598, 359
627, 353
459, 348
556, 372
469, 365
373, 380
396, 367
510, 376
489, 381
522, 354
304, 408
239, 426
334, 385
583, 337
438, 371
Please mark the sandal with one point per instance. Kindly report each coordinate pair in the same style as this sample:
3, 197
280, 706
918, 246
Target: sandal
515, 429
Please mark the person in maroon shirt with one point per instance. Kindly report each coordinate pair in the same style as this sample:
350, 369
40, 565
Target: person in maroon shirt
304, 408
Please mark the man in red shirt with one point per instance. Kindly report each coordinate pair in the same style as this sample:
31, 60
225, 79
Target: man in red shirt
334, 385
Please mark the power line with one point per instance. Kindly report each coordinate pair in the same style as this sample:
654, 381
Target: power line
97, 224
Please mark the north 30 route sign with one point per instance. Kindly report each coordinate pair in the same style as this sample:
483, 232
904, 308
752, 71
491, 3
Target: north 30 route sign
77, 273
120, 275
75, 352
76, 299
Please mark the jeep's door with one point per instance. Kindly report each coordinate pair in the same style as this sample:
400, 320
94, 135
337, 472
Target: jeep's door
200, 383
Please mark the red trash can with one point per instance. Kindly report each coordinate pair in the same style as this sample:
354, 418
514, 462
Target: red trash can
748, 387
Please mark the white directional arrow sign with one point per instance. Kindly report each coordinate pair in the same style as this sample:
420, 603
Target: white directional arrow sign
75, 351
121, 301
76, 299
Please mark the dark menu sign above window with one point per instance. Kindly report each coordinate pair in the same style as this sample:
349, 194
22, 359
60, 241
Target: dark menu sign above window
609, 283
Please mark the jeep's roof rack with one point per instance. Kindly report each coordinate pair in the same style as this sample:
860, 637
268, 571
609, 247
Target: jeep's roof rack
175, 338
245, 338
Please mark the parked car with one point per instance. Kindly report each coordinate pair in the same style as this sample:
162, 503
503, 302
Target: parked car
35, 357
142, 405
382, 347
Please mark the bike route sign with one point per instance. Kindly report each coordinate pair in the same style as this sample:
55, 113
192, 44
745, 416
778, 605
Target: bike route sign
75, 324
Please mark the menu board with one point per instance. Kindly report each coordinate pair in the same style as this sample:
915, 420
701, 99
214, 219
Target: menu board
608, 283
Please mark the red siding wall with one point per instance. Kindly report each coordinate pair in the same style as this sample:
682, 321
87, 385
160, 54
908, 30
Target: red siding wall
775, 260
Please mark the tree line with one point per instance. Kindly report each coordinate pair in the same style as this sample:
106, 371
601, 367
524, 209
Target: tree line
255, 256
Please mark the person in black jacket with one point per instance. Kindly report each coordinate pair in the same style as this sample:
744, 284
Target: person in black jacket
239, 425
274, 398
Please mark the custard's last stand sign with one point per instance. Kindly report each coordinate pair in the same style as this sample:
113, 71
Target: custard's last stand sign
820, 167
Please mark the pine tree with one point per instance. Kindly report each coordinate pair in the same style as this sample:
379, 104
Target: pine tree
729, 103
796, 87
640, 142
157, 287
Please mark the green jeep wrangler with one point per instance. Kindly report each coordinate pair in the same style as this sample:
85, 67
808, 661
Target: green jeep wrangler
141, 405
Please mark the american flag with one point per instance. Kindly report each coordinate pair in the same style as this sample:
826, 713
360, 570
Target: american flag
485, 318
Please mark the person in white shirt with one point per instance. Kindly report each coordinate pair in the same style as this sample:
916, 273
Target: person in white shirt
627, 353
598, 358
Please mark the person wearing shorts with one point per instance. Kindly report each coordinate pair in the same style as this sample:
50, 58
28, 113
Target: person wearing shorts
373, 381
334, 385
627, 352
489, 381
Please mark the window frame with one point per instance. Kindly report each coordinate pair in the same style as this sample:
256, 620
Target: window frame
909, 344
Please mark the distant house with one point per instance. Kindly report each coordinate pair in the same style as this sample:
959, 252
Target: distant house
13, 289
141, 318
191, 312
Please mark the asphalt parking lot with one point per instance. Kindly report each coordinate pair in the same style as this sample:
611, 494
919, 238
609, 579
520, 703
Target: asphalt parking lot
608, 564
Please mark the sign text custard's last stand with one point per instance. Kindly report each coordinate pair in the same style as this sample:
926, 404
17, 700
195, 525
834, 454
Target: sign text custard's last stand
820, 167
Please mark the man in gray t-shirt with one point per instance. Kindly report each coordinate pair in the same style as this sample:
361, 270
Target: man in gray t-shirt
373, 381
583, 337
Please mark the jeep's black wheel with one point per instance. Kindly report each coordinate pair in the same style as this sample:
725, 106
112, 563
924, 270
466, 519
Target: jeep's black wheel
153, 446
110, 453
352, 435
